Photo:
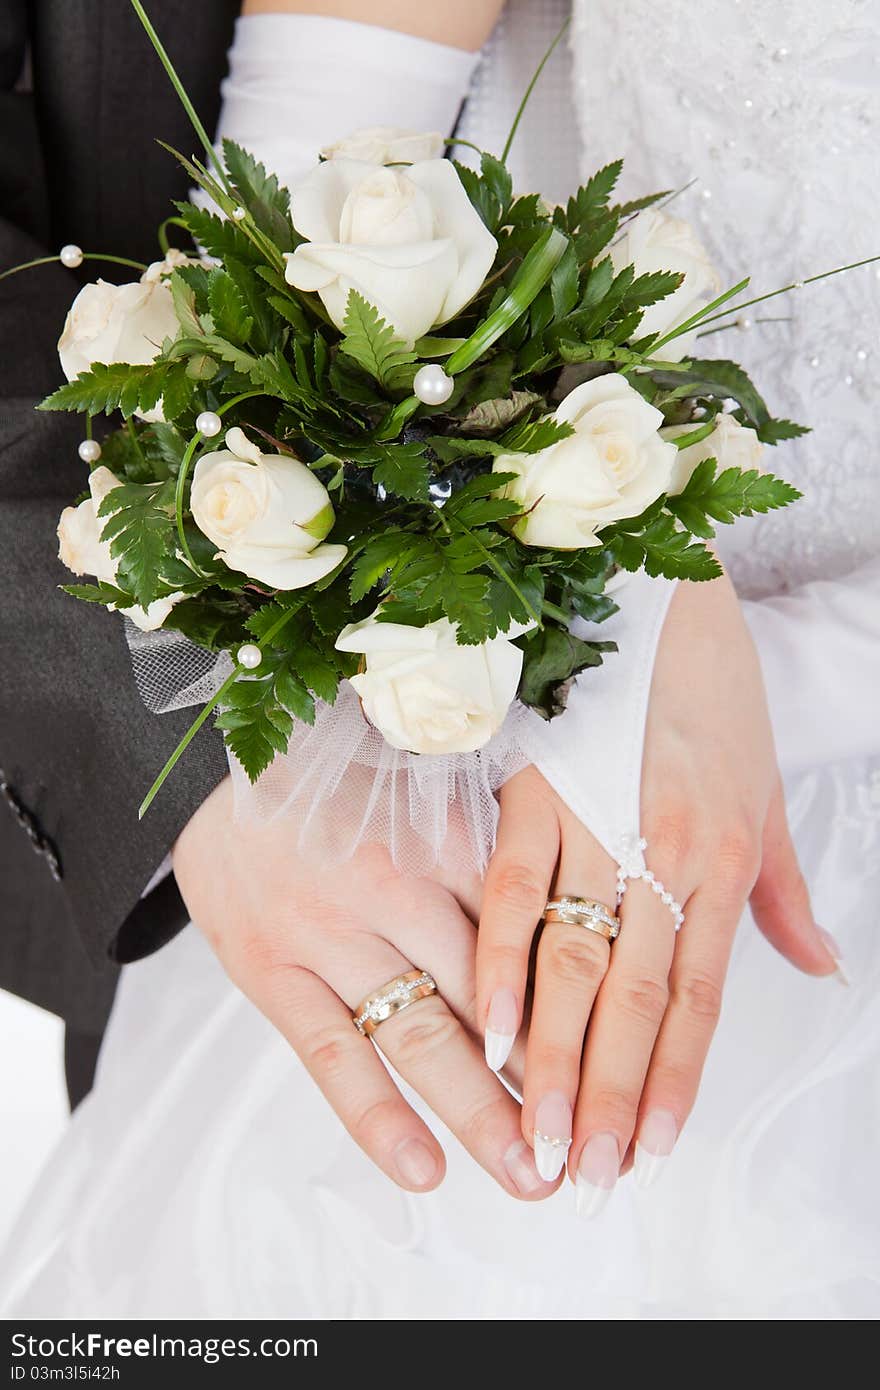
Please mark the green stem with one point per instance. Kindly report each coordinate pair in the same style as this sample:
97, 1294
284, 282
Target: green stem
134, 439
553, 611
529, 280
178, 86
183, 473
528, 92
204, 713
700, 315
163, 235
454, 140
796, 285
88, 256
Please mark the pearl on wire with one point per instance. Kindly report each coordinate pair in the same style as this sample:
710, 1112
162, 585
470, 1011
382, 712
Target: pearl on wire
239, 214
71, 256
432, 385
209, 423
89, 451
249, 656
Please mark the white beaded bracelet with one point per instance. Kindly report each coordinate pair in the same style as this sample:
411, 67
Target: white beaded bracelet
632, 866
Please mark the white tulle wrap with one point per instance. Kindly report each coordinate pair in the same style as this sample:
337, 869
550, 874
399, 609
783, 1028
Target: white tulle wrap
341, 785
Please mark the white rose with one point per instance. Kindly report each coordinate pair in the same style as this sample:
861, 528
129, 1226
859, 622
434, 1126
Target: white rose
613, 466
652, 241
266, 513
117, 323
408, 241
387, 144
732, 444
81, 548
425, 692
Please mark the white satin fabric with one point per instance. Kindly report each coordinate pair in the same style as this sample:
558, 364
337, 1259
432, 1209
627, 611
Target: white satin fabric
205, 1176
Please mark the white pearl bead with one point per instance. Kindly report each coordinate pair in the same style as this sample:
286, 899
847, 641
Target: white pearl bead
209, 423
239, 214
89, 451
432, 385
71, 256
744, 323
249, 656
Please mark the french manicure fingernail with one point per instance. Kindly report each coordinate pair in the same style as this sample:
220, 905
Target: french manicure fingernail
520, 1165
501, 1027
415, 1163
836, 955
552, 1135
657, 1136
597, 1173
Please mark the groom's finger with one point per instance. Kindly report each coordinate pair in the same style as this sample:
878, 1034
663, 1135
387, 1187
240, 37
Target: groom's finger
352, 1078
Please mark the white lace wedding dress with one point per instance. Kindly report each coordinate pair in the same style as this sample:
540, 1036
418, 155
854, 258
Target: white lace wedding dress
205, 1176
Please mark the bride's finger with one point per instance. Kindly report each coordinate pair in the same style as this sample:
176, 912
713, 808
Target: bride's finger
431, 1050
623, 1030
696, 981
517, 885
352, 1078
571, 965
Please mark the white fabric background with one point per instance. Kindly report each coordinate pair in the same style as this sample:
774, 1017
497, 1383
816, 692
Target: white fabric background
33, 1098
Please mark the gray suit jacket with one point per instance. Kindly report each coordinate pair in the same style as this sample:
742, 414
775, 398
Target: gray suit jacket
79, 163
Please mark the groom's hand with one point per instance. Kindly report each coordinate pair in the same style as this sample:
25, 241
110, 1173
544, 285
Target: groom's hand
307, 945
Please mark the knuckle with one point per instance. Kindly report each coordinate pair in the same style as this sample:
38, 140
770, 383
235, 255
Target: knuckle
479, 1129
254, 954
574, 957
700, 997
325, 1055
738, 856
517, 885
642, 998
420, 1036
672, 836
375, 1125
610, 1108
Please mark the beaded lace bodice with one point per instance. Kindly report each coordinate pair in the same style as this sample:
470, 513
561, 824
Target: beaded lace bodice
773, 107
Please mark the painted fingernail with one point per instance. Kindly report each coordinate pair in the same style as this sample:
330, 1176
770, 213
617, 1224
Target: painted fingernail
415, 1163
520, 1165
836, 955
596, 1175
552, 1135
657, 1135
501, 1027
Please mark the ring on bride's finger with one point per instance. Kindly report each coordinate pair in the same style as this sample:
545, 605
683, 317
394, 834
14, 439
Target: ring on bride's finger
583, 912
391, 999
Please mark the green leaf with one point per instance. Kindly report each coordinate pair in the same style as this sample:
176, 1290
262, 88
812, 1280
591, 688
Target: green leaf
637, 204
377, 558
592, 198
651, 288
210, 621
565, 283
228, 309
657, 545
106, 594
117, 386
553, 657
184, 299
532, 436
735, 492
403, 470
773, 431
219, 237
373, 344
723, 380
142, 533
260, 193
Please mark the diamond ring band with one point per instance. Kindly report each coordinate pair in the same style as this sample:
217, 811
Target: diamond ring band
391, 999
583, 912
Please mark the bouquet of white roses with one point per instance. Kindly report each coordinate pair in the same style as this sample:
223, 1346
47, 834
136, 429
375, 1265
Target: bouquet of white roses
399, 426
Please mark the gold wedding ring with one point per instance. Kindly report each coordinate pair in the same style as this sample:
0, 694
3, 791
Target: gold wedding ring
392, 999
583, 912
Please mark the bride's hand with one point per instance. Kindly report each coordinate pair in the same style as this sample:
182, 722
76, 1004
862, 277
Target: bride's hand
306, 946
714, 818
